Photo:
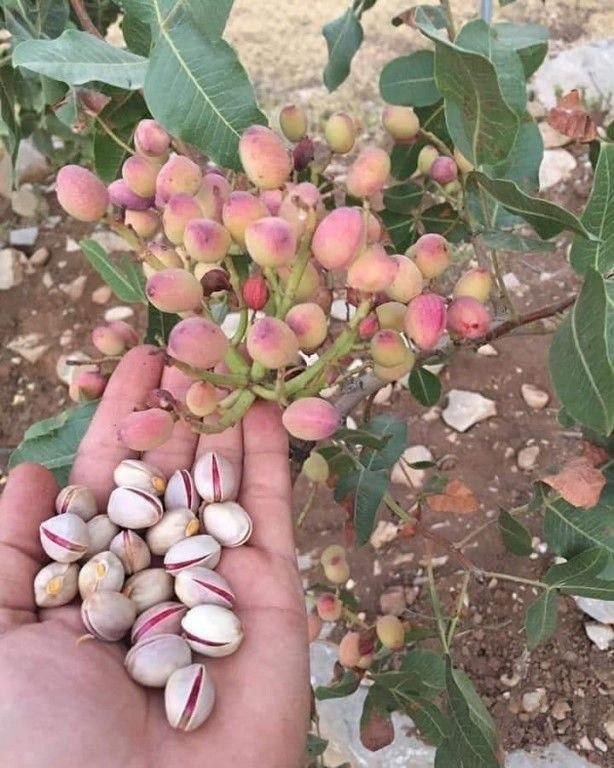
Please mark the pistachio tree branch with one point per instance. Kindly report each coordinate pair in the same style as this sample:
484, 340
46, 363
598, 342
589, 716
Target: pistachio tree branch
84, 18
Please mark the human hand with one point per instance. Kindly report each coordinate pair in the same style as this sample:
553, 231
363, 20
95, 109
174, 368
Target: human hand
66, 705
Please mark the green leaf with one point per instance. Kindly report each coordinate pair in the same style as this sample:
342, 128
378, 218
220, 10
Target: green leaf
360, 437
541, 618
121, 115
424, 386
425, 672
480, 122
431, 722
208, 100
598, 218
410, 80
578, 576
126, 282
368, 489
509, 241
159, 325
9, 128
77, 57
473, 738
515, 536
582, 356
530, 41
54, 442
337, 690
343, 37
547, 219
444, 220
209, 17
403, 198
137, 34
400, 228
394, 431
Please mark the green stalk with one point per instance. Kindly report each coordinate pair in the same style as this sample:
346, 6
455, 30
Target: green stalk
218, 379
296, 273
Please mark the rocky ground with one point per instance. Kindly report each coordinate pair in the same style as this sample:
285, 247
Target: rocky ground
50, 300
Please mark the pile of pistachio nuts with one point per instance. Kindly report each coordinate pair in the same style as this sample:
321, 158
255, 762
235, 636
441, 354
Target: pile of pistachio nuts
145, 569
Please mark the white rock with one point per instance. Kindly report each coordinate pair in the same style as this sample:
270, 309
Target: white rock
47, 280
341, 310
24, 202
24, 237
51, 222
600, 610
535, 398
435, 369
527, 457
557, 165
102, 295
11, 271
29, 346
385, 532
383, 395
110, 241
31, 164
118, 313
555, 755
66, 373
465, 408
74, 289
600, 744
511, 282
608, 727
487, 350
72, 246
405, 475
40, 257
600, 634
585, 743
534, 700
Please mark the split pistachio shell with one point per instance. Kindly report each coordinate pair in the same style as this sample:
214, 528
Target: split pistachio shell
133, 508
216, 478
153, 660
197, 550
227, 522
131, 550
181, 492
79, 500
189, 697
173, 526
108, 615
212, 630
134, 473
56, 584
149, 587
199, 585
65, 538
104, 572
101, 531
162, 619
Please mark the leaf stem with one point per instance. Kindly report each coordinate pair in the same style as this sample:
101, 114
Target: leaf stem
445, 4
509, 577
441, 627
459, 607
84, 18
109, 131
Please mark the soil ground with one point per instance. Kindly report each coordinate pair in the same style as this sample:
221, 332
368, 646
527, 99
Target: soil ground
570, 668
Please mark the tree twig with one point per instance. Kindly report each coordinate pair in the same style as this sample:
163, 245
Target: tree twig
84, 18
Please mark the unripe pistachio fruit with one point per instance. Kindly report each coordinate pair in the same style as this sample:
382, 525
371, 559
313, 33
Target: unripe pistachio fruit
121, 196
144, 223
179, 210
198, 342
151, 139
338, 238
374, 270
178, 175
139, 474
107, 341
55, 585
215, 477
476, 283
329, 607
181, 492
140, 175
425, 320
145, 430
315, 468
227, 522
206, 240
408, 281
391, 632
464, 166
108, 615
351, 654
148, 588
272, 343
132, 551
104, 572
265, 160
173, 526
101, 531
161, 619
444, 170
368, 326
239, 211
200, 586
395, 372
81, 194
86, 386
468, 318
153, 660
368, 173
255, 292
65, 537
79, 500
212, 630
271, 241
189, 697
213, 193
201, 398
391, 314
311, 418
134, 508
197, 550
388, 348
335, 565
309, 325
293, 122
402, 123
340, 132
431, 252
174, 290
426, 158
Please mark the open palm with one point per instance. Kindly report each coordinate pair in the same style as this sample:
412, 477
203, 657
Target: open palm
65, 704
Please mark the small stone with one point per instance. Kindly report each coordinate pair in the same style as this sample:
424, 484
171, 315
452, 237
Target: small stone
601, 635
118, 313
405, 475
511, 282
586, 744
66, 337
40, 257
600, 610
466, 408
51, 222
600, 744
432, 414
72, 246
66, 373
487, 350
608, 727
28, 346
102, 295
527, 457
110, 241
560, 709
74, 289
392, 601
18, 399
533, 701
341, 310
511, 681
411, 595
11, 271
24, 237
535, 398
557, 165
31, 165
385, 532
47, 280
24, 202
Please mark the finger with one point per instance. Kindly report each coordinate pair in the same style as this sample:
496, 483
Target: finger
178, 452
28, 499
101, 451
266, 488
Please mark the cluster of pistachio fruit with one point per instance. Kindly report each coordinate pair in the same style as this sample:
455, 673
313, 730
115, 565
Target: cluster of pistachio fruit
145, 569
273, 245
